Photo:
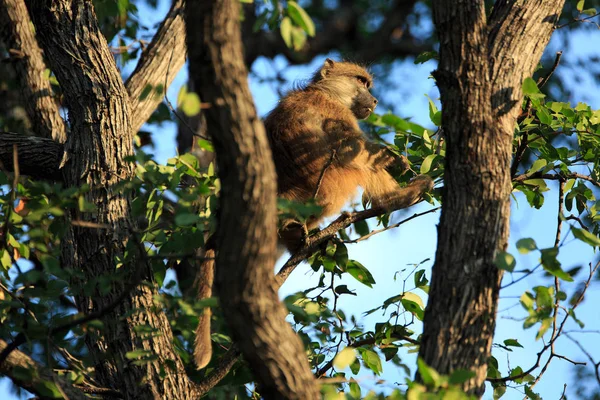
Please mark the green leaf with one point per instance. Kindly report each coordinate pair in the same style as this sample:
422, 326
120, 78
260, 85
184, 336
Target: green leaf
526, 245
360, 273
344, 358
413, 304
186, 219
505, 261
191, 104
585, 236
48, 389
5, 260
531, 90
286, 31
434, 115
460, 376
429, 375
427, 162
372, 360
301, 18
537, 165
590, 11
544, 116
512, 343
298, 38
343, 289
499, 391
426, 56
341, 255
580, 4
361, 227
135, 354
552, 265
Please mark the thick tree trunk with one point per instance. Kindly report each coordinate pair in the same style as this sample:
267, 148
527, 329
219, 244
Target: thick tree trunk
246, 237
482, 66
100, 139
26, 56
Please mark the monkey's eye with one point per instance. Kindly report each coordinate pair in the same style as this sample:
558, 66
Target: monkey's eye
363, 81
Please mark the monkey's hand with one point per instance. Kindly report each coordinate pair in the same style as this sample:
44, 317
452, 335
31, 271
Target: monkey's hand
292, 234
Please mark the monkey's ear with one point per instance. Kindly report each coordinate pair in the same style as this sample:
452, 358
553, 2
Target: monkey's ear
327, 66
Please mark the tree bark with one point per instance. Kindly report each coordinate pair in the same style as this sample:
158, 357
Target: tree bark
99, 115
26, 56
481, 70
246, 235
158, 66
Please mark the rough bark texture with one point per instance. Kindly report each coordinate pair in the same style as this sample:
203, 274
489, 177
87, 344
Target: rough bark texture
481, 70
26, 56
38, 157
101, 137
246, 239
158, 66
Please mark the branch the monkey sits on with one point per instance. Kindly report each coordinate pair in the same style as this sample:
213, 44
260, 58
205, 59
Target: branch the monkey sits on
320, 152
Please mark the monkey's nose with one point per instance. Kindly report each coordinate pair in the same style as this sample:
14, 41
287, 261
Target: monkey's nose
375, 101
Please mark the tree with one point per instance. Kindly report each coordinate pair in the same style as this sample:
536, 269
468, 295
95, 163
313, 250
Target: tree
90, 224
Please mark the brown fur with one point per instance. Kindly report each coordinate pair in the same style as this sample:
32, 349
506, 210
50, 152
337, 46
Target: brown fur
319, 151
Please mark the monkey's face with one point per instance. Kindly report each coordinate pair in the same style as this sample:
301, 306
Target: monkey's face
349, 84
363, 103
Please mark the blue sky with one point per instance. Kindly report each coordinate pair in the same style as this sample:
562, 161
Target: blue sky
390, 252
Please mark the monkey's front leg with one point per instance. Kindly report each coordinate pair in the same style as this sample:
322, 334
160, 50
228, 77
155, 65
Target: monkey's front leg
383, 191
381, 157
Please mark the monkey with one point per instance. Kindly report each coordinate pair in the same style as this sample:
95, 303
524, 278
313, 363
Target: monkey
321, 153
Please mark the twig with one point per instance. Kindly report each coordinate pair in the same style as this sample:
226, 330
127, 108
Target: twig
577, 20
368, 235
588, 355
553, 339
542, 81
555, 177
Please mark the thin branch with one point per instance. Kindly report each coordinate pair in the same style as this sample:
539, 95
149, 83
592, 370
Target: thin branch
550, 345
575, 20
313, 242
542, 81
365, 237
588, 355
151, 77
555, 177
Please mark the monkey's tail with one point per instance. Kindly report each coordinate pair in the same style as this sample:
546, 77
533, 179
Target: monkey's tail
204, 284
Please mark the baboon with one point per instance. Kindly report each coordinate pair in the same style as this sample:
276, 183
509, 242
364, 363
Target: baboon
320, 153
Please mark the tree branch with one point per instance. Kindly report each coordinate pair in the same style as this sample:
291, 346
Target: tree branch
158, 66
313, 242
340, 30
38, 157
245, 233
28, 64
35, 383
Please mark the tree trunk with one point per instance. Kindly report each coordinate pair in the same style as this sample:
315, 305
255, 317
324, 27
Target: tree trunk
28, 64
246, 236
482, 66
100, 139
